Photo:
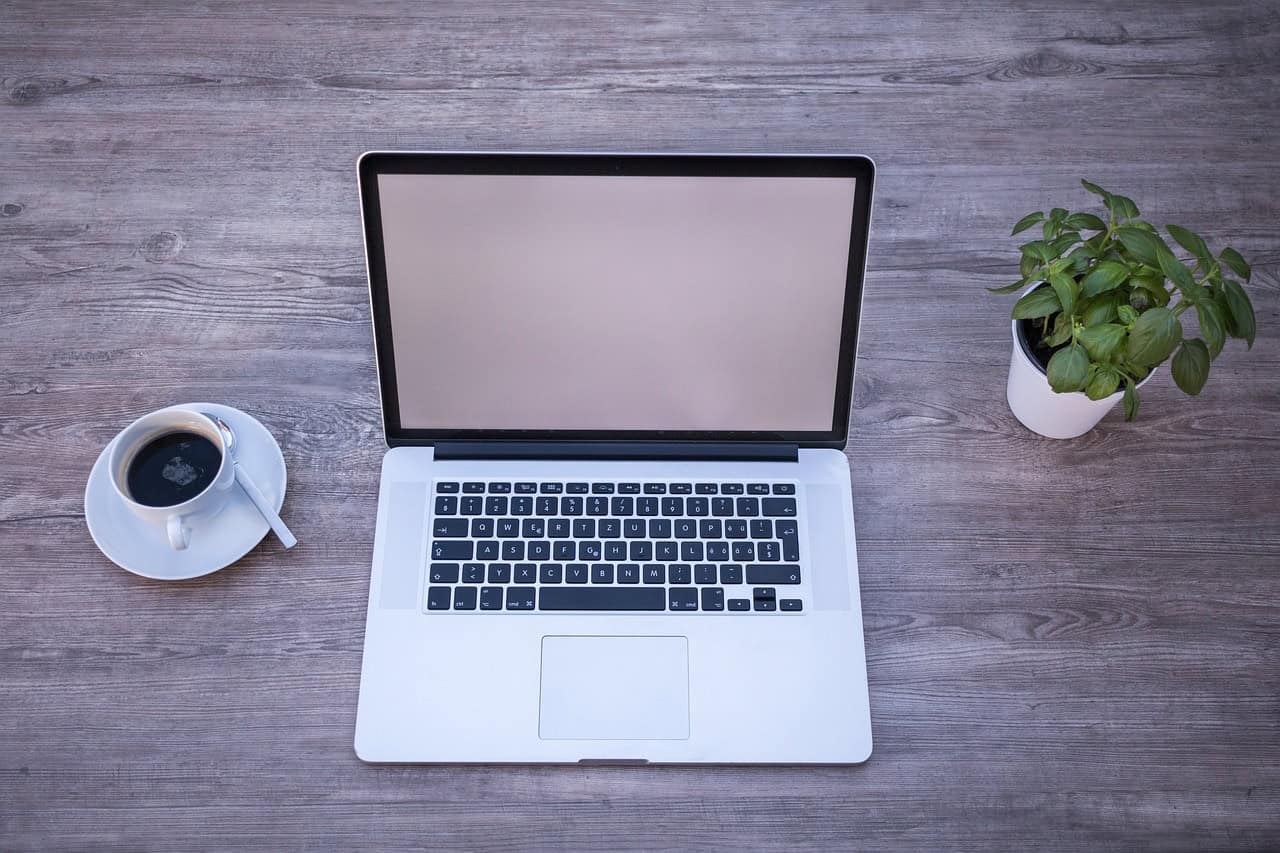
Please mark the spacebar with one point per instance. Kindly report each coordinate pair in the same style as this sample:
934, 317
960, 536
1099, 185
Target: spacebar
601, 598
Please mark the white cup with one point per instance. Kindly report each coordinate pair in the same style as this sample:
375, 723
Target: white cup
179, 518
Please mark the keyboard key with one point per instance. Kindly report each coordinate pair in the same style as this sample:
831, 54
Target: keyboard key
597, 505
526, 488
472, 573
602, 598
710, 528
633, 528
681, 488
525, 572
692, 551
784, 488
520, 599
730, 574
576, 573
533, 528
761, 528
767, 552
439, 597
683, 599
490, 598
706, 488
712, 598
447, 550
487, 550
499, 488
622, 506
584, 528
655, 573
499, 573
558, 528
546, 506
646, 506
792, 604
508, 528
602, 488
464, 598
577, 488
495, 505
570, 506
539, 549
696, 506
551, 573
513, 550
615, 551
471, 505
610, 528
642, 551
522, 504
602, 573
722, 507
589, 549
665, 551
748, 506
628, 573
730, 488
446, 505
659, 528
735, 529
443, 573
446, 487
739, 604
564, 549
785, 507
628, 488
764, 592
672, 506
551, 488
757, 488
718, 551
704, 573
779, 573
449, 527
765, 604
686, 528
743, 551
680, 573
473, 488
481, 528
655, 488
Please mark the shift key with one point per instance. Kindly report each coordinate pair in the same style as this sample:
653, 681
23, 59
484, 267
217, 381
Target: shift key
773, 573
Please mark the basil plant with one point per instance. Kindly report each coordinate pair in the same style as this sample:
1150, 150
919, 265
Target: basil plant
1113, 294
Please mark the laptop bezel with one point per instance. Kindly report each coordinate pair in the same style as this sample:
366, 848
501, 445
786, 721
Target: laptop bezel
375, 163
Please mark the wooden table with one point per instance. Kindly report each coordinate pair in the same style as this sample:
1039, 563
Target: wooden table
1071, 645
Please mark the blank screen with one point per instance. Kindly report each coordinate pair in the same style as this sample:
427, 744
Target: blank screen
551, 302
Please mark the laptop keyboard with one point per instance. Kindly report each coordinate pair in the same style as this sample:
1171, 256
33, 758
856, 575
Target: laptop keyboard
669, 546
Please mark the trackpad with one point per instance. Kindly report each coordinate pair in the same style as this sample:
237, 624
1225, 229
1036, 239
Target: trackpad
614, 688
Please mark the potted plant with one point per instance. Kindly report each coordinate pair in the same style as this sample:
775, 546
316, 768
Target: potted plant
1101, 307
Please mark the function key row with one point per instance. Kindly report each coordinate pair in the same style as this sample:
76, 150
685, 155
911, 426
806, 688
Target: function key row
683, 574
476, 487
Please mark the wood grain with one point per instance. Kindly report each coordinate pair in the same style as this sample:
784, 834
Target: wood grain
1072, 645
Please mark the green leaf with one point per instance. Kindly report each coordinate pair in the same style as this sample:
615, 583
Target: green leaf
1122, 207
1064, 242
1107, 275
1027, 267
1154, 335
1238, 265
1241, 311
1068, 368
1066, 289
1040, 302
1027, 221
1094, 188
1128, 315
1130, 401
1102, 340
1192, 242
1038, 249
1143, 245
1176, 272
1191, 366
1212, 327
1099, 309
1152, 286
1085, 220
1062, 328
1009, 288
1058, 214
1103, 384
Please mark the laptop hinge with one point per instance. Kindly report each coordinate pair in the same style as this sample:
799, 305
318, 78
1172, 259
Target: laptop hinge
637, 450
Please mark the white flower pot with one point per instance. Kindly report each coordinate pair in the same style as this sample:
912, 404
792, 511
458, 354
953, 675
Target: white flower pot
1043, 410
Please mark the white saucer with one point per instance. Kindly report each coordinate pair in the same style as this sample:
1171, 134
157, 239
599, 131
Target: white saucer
142, 548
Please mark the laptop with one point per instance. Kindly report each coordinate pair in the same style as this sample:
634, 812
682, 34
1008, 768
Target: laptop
615, 521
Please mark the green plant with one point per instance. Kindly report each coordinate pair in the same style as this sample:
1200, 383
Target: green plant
1106, 307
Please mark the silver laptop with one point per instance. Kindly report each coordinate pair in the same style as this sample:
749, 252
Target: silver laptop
615, 521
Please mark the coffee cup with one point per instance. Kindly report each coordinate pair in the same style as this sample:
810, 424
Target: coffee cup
172, 469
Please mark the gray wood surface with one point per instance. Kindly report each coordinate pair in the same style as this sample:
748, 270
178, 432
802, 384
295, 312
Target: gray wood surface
1071, 645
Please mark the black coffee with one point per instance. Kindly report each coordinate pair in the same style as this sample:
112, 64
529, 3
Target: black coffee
172, 468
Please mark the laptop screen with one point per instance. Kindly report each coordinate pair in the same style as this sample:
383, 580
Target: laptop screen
616, 302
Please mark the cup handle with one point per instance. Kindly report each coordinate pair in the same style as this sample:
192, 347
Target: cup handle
179, 533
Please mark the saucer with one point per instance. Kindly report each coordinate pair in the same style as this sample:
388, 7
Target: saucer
142, 548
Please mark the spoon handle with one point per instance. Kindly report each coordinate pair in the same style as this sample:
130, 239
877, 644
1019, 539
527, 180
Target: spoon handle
260, 501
